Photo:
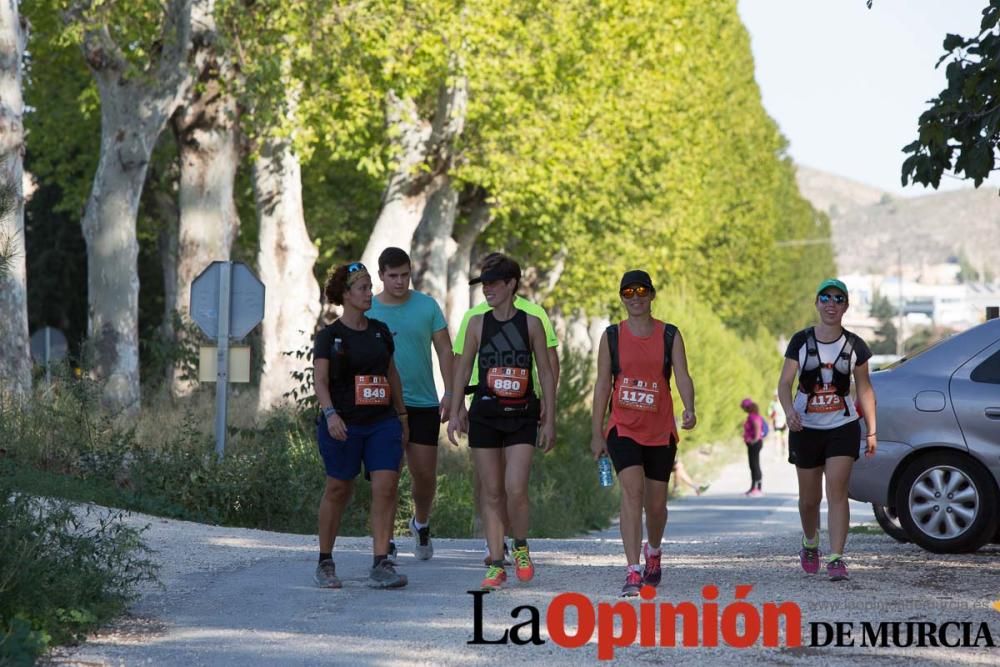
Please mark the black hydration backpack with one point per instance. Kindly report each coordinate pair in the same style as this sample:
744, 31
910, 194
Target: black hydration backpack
810, 376
669, 330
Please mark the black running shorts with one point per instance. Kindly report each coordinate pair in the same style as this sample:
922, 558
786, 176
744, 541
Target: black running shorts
425, 425
657, 461
811, 447
502, 432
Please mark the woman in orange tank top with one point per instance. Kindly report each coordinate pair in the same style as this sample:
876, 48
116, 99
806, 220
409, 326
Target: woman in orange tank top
634, 366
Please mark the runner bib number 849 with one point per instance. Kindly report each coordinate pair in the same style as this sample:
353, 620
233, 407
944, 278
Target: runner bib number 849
371, 390
641, 395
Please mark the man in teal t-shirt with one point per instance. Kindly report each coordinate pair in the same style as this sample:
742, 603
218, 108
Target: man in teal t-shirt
417, 324
551, 342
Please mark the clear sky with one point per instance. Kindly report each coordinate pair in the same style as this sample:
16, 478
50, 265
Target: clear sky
846, 84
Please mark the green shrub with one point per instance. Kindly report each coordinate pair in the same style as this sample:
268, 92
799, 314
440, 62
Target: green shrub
60, 575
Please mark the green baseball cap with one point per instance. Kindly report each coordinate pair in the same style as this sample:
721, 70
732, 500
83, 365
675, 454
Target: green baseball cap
831, 282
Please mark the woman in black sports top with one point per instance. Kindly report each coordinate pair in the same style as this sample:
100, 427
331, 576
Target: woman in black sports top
823, 421
503, 421
363, 421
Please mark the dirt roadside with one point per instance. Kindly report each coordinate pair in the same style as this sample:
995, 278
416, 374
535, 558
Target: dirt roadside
245, 597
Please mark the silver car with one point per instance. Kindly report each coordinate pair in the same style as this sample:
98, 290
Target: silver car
937, 467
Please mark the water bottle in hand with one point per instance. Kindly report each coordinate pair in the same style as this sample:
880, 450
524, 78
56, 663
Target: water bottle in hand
604, 470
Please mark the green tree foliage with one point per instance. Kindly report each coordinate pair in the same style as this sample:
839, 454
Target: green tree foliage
960, 131
675, 167
725, 367
883, 310
606, 131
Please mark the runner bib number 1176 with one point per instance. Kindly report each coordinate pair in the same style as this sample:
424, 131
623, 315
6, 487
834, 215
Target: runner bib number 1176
635, 394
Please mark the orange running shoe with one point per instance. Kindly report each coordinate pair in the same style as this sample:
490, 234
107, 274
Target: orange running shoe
496, 577
523, 566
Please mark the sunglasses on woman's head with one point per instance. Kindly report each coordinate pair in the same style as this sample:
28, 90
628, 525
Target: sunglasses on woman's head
355, 267
836, 298
640, 290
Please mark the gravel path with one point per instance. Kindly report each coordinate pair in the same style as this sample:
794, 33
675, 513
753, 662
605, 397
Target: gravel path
245, 597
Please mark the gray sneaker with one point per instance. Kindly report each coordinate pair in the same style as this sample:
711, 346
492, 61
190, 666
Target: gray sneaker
326, 575
423, 548
384, 575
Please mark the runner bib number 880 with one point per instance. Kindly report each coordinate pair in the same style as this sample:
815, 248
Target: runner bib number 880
507, 382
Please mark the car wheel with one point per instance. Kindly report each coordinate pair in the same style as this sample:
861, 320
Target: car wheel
947, 503
889, 521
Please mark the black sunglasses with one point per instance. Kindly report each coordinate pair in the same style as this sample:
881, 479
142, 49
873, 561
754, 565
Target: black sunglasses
836, 298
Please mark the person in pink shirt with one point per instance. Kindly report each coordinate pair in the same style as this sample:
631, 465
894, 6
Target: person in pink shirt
753, 436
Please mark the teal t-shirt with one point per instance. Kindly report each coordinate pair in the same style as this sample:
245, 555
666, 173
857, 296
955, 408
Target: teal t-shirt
413, 324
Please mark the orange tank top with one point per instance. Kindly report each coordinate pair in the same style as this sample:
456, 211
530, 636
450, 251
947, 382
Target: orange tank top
641, 405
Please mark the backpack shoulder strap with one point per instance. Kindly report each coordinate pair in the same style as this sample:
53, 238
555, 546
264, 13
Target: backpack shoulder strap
383, 328
669, 332
612, 333
849, 344
812, 347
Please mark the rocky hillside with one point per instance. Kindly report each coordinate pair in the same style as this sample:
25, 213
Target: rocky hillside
871, 227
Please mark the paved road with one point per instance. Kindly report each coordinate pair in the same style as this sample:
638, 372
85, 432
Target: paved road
236, 597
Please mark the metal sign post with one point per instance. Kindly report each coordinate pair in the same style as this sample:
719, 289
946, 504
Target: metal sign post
47, 346
222, 372
227, 302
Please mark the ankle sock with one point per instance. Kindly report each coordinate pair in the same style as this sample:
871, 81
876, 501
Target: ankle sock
378, 559
520, 544
811, 544
635, 568
833, 557
651, 551
419, 525
498, 563
324, 556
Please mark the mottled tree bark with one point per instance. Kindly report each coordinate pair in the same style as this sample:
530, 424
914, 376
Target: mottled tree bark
460, 262
208, 147
424, 153
286, 260
133, 113
432, 243
15, 354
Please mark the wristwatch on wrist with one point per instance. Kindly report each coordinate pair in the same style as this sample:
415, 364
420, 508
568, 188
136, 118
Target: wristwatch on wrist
329, 412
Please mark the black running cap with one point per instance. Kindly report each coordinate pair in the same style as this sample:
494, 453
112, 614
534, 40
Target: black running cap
505, 269
636, 277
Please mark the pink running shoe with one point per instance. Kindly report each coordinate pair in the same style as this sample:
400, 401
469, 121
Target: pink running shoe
837, 570
633, 584
809, 560
651, 572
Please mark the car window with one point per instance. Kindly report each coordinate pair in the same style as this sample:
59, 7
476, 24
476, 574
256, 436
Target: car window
988, 371
913, 355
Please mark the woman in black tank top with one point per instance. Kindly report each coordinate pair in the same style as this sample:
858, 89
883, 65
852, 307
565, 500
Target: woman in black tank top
503, 421
506, 388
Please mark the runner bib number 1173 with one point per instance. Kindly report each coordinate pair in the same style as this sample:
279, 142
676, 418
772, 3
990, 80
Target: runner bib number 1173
371, 390
826, 399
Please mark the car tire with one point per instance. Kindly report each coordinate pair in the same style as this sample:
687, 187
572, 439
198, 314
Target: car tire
889, 521
947, 503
